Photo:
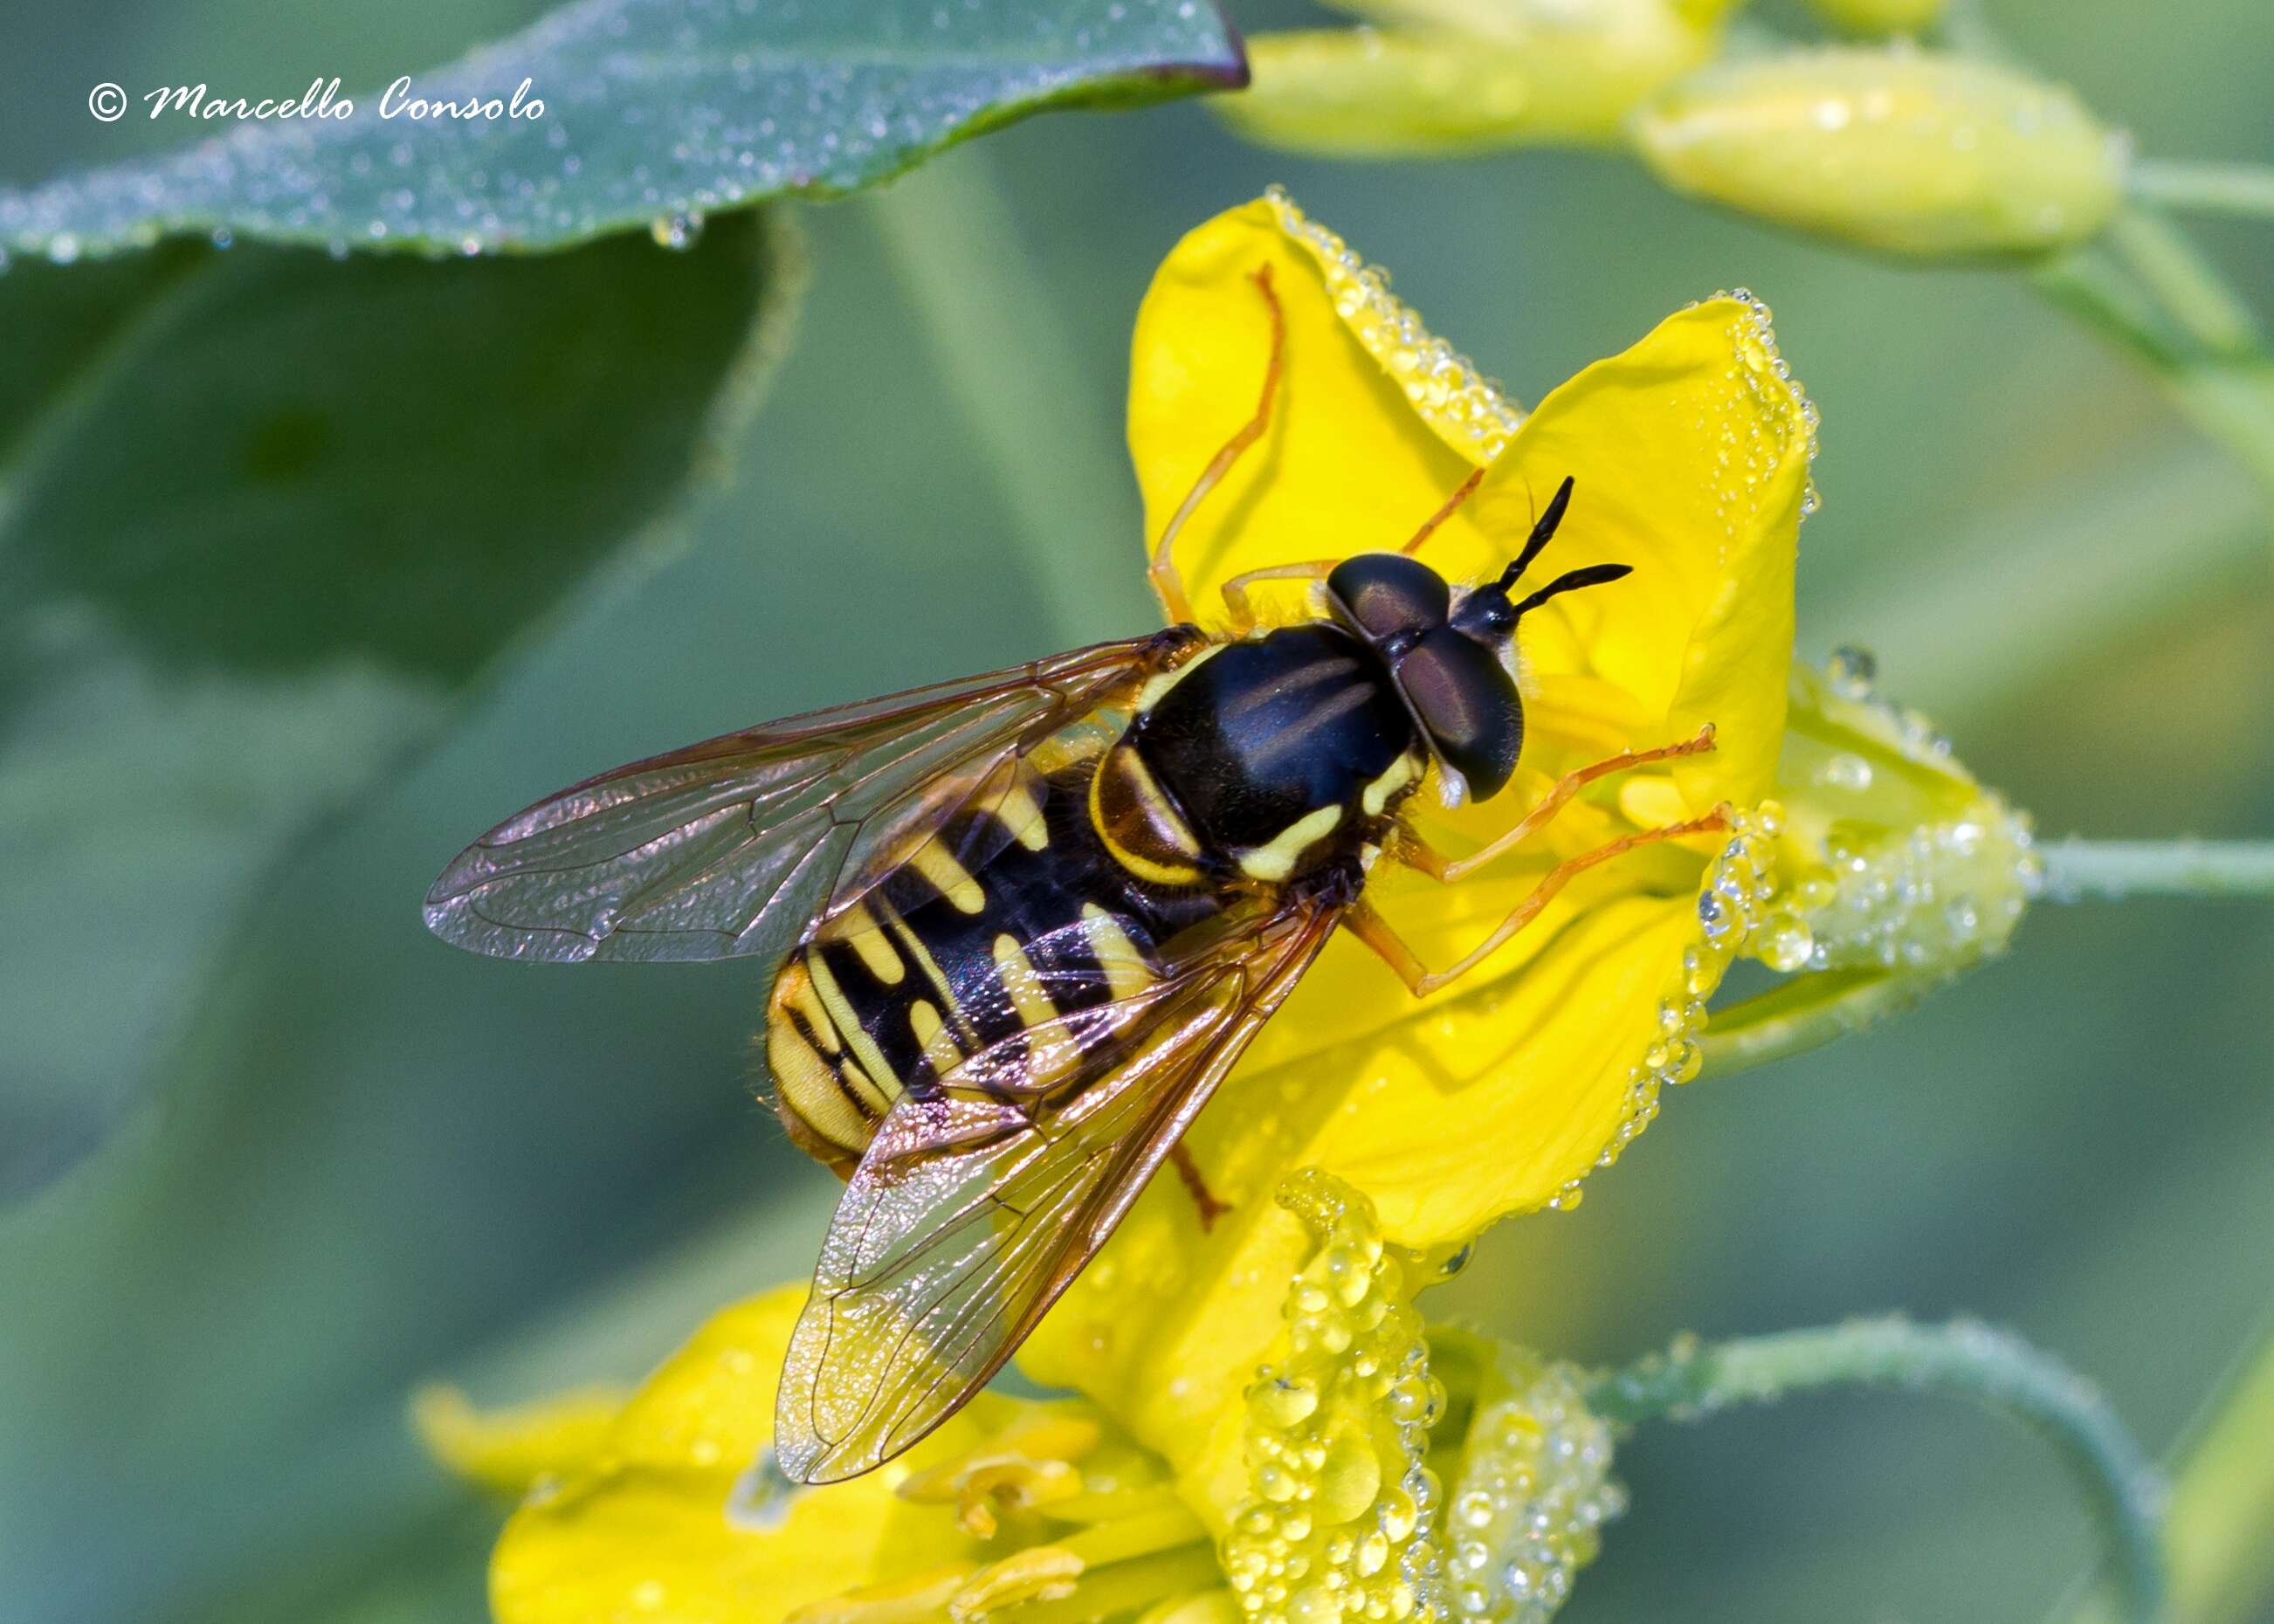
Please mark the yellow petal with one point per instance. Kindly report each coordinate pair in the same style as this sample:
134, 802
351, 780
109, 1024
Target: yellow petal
1337, 1428
1350, 460
1456, 75
678, 1519
507, 1450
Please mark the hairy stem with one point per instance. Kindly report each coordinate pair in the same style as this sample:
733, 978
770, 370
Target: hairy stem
2112, 870
2222, 1503
1964, 1359
2206, 187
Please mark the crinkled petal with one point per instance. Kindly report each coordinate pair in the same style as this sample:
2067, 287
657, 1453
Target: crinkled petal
678, 1518
1689, 455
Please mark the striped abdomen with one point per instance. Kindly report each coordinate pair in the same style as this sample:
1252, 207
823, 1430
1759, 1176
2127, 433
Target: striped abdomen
943, 961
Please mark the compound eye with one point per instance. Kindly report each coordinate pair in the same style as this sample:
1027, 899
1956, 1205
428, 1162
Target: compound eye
1469, 706
1386, 595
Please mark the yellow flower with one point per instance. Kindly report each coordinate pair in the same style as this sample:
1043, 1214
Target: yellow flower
1042, 1512
1906, 151
673, 1511
1463, 75
1265, 1429
1497, 1095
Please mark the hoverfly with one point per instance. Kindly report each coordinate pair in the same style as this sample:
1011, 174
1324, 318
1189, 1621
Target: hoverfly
1020, 926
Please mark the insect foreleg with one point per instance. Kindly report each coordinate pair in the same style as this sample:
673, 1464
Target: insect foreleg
1167, 582
1235, 590
1437, 866
1371, 929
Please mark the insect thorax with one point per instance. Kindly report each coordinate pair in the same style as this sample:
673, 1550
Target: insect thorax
1261, 761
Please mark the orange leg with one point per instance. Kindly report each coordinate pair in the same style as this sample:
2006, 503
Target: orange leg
1452, 506
1166, 580
1371, 929
1235, 590
1189, 1170
1437, 866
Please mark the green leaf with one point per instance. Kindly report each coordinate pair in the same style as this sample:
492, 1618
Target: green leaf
654, 113
265, 518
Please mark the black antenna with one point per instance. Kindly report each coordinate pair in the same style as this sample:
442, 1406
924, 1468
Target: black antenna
1593, 575
1543, 533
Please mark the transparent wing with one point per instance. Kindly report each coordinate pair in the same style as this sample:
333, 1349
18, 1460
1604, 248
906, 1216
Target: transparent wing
972, 1211
733, 846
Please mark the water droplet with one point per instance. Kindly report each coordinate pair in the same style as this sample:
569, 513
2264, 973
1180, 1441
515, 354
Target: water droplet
1852, 672
677, 231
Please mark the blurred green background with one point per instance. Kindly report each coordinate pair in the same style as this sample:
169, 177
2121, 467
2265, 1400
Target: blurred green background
404, 1161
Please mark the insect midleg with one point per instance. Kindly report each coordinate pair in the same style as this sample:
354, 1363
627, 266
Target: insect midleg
1437, 866
1235, 590
1371, 929
1162, 573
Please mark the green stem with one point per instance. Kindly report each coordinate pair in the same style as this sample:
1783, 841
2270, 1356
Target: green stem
2208, 187
2167, 305
2198, 297
2112, 870
2222, 1503
1963, 1360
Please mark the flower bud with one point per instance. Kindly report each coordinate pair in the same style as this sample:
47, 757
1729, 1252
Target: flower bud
1894, 857
1450, 75
1909, 151
1879, 16
1532, 1489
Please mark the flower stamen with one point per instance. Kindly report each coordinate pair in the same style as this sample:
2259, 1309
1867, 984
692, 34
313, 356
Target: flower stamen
1026, 1467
